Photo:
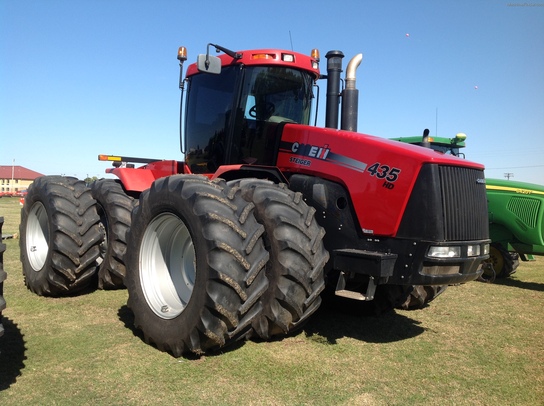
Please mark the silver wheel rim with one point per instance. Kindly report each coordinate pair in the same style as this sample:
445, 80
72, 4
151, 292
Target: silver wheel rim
167, 265
37, 236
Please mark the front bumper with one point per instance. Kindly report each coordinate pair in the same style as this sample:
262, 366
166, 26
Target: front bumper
441, 263
417, 262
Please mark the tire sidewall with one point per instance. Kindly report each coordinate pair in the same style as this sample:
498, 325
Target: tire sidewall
35, 278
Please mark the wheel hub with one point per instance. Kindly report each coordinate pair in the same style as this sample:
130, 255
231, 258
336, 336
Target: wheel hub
37, 236
167, 265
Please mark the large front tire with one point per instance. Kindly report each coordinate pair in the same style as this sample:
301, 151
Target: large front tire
114, 208
195, 265
60, 236
297, 257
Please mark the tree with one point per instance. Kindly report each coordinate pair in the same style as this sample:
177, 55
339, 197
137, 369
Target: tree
88, 180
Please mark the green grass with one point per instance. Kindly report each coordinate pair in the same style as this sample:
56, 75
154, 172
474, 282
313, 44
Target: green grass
477, 344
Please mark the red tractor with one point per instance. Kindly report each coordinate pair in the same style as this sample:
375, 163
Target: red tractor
243, 237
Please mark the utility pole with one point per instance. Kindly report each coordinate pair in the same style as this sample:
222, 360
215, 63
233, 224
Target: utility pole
508, 175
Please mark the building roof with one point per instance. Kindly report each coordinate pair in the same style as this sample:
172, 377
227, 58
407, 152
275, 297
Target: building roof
18, 172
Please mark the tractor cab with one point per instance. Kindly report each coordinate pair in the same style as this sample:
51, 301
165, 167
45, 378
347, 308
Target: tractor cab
234, 114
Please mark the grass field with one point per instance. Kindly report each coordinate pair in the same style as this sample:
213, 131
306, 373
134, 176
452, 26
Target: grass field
477, 344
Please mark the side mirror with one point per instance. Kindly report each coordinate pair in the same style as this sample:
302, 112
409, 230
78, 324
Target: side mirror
208, 64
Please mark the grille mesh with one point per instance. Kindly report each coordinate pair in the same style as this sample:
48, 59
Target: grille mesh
526, 209
464, 203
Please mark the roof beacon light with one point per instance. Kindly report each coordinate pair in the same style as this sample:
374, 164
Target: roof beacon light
182, 54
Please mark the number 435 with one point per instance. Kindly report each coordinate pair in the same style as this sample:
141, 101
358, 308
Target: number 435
384, 172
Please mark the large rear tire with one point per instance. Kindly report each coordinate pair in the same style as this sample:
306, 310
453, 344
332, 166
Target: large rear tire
3, 276
60, 236
297, 257
195, 265
114, 208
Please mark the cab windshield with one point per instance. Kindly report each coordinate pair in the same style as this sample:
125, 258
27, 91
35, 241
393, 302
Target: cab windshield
234, 117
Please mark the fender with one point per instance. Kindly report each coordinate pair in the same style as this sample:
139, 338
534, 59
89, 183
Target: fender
141, 178
230, 172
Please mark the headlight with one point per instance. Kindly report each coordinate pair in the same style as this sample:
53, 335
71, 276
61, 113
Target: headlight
473, 250
444, 252
486, 249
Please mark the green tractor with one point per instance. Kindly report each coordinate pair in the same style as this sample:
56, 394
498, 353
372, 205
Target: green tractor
516, 223
516, 213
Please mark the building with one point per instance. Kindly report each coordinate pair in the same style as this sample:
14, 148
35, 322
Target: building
15, 179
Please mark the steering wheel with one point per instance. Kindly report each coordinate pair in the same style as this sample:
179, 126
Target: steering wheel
269, 108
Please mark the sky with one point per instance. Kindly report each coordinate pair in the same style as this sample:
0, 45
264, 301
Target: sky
88, 77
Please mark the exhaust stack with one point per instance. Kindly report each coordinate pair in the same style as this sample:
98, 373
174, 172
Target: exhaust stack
350, 96
334, 68
425, 139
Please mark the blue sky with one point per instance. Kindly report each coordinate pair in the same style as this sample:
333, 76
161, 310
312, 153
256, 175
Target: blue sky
82, 78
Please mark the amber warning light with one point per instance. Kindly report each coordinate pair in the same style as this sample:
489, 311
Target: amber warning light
117, 158
315, 55
109, 158
263, 56
182, 53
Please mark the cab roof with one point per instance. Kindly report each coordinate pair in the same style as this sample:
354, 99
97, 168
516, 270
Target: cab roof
268, 57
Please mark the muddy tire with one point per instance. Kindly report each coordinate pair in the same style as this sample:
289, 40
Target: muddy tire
3, 276
195, 265
114, 208
504, 262
297, 257
60, 236
421, 296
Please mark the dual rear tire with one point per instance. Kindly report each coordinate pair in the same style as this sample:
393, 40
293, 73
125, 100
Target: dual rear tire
73, 235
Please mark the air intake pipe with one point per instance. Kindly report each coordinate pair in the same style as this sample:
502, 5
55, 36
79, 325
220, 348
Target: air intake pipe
334, 68
350, 96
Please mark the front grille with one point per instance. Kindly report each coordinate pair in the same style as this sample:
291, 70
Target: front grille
464, 203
